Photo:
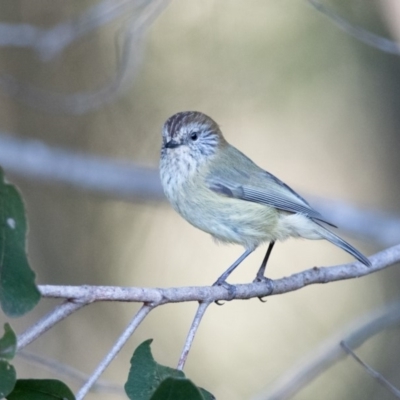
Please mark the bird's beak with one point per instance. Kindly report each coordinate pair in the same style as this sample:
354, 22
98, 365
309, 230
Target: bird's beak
172, 144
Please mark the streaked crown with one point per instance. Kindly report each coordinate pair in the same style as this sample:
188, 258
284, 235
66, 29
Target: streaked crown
193, 130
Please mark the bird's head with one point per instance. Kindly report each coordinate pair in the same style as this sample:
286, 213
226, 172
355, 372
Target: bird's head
191, 134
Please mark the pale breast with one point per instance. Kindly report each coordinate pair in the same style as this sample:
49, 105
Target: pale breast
226, 219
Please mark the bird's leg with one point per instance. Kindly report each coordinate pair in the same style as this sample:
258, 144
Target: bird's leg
260, 274
221, 281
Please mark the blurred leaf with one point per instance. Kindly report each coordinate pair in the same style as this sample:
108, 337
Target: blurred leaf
8, 343
18, 292
40, 389
177, 389
8, 376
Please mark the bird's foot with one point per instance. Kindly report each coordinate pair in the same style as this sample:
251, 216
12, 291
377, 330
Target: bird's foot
230, 288
267, 281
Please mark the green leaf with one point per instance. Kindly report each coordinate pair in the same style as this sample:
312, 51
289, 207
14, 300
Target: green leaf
146, 374
177, 389
18, 292
8, 343
147, 377
40, 389
207, 395
8, 377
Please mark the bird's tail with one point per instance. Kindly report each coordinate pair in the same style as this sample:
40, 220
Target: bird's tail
338, 241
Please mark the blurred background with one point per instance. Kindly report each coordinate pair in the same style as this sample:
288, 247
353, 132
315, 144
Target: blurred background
302, 98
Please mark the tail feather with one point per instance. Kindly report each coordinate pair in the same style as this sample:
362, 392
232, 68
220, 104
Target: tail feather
338, 241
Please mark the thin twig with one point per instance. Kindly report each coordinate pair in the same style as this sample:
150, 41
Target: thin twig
44, 324
329, 352
361, 34
210, 294
191, 334
139, 317
56, 367
376, 375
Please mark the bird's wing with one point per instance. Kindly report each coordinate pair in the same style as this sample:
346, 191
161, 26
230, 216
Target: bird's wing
246, 181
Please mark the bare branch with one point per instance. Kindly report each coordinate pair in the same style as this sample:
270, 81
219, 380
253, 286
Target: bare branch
153, 297
329, 352
82, 102
43, 325
376, 375
192, 332
210, 294
364, 36
139, 317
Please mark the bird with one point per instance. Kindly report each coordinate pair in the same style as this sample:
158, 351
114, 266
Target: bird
221, 191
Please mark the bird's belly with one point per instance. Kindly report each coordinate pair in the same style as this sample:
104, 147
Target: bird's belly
236, 221
232, 220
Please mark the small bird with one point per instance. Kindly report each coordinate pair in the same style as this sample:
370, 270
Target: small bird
221, 191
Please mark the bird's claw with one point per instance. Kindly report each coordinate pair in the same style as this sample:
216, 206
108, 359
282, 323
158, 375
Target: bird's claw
230, 288
267, 281
262, 299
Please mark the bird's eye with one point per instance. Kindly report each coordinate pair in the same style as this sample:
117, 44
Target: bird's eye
194, 136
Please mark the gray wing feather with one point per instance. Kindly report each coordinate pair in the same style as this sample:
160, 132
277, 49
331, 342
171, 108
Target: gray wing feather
279, 202
269, 191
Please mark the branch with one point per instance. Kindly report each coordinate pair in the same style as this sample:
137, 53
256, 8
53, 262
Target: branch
48, 321
160, 296
82, 102
138, 318
329, 352
376, 375
118, 179
125, 180
153, 297
48, 43
376, 226
361, 34
192, 332
56, 367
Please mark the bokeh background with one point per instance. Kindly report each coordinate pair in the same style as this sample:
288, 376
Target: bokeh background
303, 99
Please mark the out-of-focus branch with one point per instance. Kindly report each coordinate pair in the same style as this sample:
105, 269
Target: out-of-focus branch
209, 294
373, 225
61, 369
376, 375
143, 16
128, 181
330, 351
361, 34
48, 43
36, 160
